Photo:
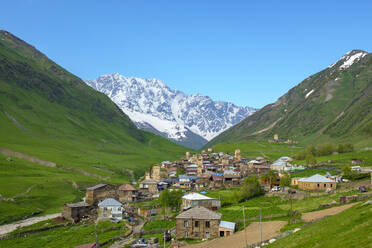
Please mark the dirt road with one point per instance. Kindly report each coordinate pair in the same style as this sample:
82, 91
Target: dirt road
326, 212
125, 241
269, 229
27, 222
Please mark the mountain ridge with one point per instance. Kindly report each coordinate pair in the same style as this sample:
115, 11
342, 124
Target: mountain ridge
311, 110
189, 120
49, 113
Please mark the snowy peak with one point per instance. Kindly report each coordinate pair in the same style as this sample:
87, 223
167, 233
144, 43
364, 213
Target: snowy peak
349, 59
153, 106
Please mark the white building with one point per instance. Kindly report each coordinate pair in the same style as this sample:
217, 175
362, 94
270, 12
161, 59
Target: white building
110, 208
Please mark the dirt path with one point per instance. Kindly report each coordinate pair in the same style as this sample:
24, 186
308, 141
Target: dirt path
326, 212
136, 230
27, 222
269, 229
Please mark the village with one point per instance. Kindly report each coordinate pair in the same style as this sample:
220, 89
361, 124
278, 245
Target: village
197, 217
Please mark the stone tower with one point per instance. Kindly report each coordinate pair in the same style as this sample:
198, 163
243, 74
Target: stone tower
276, 137
187, 155
156, 173
238, 156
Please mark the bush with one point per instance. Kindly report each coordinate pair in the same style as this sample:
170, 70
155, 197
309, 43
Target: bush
326, 149
251, 187
310, 159
347, 147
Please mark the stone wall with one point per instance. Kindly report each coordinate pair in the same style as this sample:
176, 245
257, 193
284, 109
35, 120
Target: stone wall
197, 229
317, 186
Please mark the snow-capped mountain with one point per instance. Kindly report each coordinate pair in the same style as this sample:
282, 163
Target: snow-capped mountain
190, 120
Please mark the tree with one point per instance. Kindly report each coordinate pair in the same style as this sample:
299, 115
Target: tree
164, 201
270, 177
251, 187
312, 150
310, 159
285, 180
175, 199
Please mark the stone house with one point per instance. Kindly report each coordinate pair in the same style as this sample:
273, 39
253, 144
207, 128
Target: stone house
127, 193
198, 200
149, 186
217, 181
110, 208
317, 183
198, 223
75, 211
99, 192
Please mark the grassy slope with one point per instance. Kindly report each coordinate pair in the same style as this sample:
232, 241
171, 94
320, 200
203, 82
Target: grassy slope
255, 149
351, 228
314, 119
69, 236
51, 114
36, 188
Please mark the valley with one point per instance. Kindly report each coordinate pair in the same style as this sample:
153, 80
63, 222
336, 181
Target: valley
128, 162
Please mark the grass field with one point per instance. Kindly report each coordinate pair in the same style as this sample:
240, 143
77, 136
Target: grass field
351, 228
271, 151
36, 188
69, 236
270, 206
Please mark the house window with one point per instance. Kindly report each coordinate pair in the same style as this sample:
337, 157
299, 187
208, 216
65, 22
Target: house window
331, 185
196, 234
186, 234
207, 224
318, 185
196, 223
104, 208
325, 185
119, 209
186, 223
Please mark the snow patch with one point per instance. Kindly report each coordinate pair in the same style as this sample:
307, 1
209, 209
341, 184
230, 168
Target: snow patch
309, 93
351, 59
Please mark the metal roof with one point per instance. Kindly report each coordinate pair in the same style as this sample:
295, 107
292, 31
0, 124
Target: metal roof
316, 179
196, 197
77, 204
200, 213
109, 202
97, 186
227, 224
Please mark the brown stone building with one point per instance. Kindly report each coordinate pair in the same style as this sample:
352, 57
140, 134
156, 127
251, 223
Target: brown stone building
127, 193
316, 183
149, 186
75, 211
99, 192
198, 223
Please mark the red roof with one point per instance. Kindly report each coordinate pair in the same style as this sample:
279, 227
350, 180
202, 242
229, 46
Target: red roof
127, 187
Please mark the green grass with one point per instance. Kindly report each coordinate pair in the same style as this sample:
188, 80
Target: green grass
48, 188
160, 224
270, 206
255, 149
312, 171
351, 228
69, 236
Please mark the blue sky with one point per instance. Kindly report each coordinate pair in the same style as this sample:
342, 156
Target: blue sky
246, 52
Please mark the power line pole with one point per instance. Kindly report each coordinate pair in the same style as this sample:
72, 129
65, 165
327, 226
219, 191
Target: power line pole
245, 231
260, 227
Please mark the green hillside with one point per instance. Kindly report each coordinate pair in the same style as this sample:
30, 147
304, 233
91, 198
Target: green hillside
48, 113
351, 228
334, 104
